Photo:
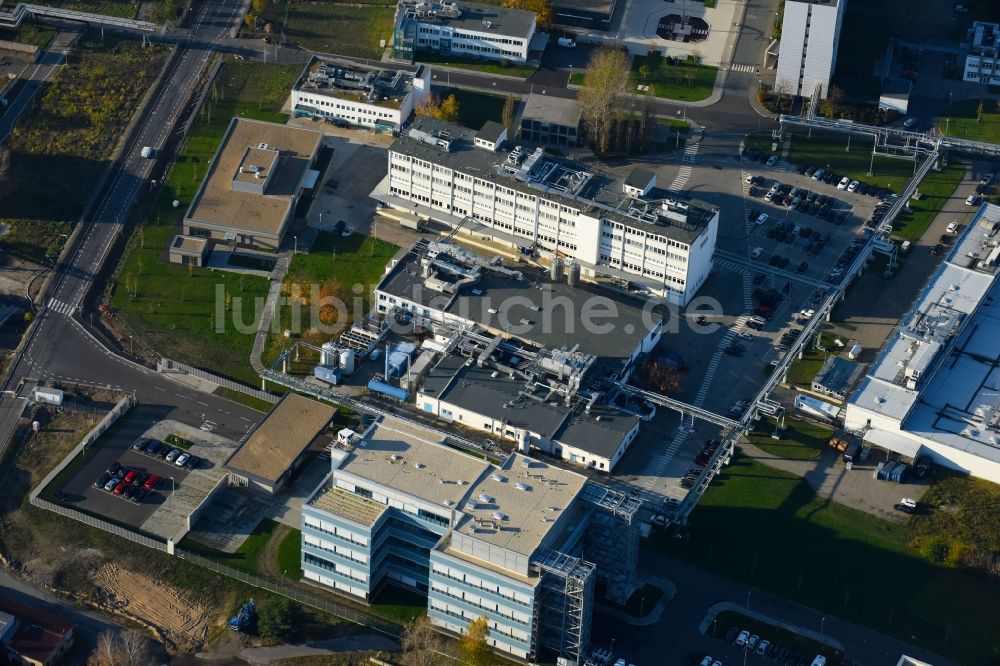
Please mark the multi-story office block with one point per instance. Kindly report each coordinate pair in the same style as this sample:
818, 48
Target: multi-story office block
810, 34
463, 29
982, 63
501, 541
640, 235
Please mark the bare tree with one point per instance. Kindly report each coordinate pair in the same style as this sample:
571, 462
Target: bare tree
126, 648
603, 85
421, 643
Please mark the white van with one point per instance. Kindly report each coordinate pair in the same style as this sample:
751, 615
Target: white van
147, 152
566, 42
820, 660
952, 228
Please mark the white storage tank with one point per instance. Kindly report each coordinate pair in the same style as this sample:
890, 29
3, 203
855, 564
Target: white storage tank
329, 353
49, 396
346, 361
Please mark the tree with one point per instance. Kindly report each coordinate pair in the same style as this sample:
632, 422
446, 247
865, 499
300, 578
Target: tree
603, 86
445, 109
979, 111
509, 111
4, 168
421, 643
541, 8
277, 619
663, 378
126, 648
472, 647
644, 72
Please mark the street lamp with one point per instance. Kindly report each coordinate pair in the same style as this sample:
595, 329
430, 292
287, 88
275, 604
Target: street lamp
296, 250
822, 623
748, 599
172, 485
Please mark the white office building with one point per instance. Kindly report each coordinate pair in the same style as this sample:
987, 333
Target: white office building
463, 29
345, 92
982, 64
935, 387
810, 34
625, 229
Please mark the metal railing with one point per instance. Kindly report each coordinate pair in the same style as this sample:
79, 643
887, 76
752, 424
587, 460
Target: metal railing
168, 366
14, 17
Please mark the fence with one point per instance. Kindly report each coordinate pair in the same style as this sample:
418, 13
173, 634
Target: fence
295, 594
167, 365
30, 49
104, 525
123, 406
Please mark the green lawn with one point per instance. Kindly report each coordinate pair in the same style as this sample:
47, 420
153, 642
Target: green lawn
246, 556
960, 121
244, 399
331, 271
173, 308
398, 605
936, 188
769, 529
350, 29
290, 555
61, 146
509, 69
800, 440
803, 369
831, 152
685, 81
475, 108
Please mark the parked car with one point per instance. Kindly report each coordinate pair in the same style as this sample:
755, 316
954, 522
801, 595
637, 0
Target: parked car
120, 487
752, 641
128, 492
762, 648
909, 122
741, 640
139, 479
131, 475
193, 461
772, 160
818, 175
151, 482
971, 200
153, 447
114, 468
844, 182
986, 179
182, 459
172, 456
853, 187
140, 444
952, 228
102, 480
937, 249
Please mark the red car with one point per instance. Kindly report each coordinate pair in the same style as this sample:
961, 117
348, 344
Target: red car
120, 488
130, 477
152, 482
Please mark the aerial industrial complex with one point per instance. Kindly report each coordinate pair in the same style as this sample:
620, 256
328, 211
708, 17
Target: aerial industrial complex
441, 340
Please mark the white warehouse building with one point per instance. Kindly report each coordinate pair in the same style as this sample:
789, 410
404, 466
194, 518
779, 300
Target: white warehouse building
810, 35
346, 92
627, 229
935, 387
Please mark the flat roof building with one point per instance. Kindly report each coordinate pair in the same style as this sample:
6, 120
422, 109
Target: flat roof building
504, 541
464, 29
553, 120
343, 91
934, 388
33, 636
253, 183
837, 376
982, 62
810, 37
551, 207
274, 450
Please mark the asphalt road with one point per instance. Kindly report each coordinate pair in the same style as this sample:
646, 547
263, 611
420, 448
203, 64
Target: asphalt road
59, 347
33, 79
87, 622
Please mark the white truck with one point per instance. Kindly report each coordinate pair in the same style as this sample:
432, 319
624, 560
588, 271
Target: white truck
148, 152
566, 42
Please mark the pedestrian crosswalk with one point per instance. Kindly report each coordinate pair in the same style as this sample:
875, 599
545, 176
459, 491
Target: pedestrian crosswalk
60, 307
743, 68
684, 173
661, 465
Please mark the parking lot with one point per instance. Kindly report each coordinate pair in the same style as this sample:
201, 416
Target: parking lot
167, 501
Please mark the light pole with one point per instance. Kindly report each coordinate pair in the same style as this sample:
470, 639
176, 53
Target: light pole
173, 485
296, 249
822, 624
748, 599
